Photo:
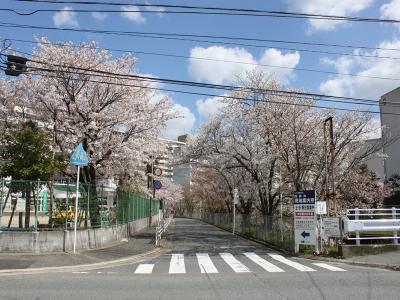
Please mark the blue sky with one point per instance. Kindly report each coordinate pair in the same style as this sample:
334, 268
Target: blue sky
196, 109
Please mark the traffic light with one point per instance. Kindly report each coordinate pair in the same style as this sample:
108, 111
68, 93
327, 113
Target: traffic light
15, 65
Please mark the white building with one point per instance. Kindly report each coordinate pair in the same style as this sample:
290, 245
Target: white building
178, 173
390, 121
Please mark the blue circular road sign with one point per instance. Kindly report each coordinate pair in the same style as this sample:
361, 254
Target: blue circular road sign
157, 184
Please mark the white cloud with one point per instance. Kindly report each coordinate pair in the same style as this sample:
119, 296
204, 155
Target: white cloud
235, 61
99, 16
181, 125
327, 7
65, 18
363, 87
277, 58
133, 14
154, 8
391, 10
210, 106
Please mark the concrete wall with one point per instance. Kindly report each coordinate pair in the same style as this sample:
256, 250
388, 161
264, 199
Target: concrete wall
392, 123
62, 241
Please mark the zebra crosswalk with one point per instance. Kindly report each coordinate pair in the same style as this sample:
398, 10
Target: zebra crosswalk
242, 263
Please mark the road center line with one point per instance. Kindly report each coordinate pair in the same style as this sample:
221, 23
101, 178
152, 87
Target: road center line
177, 264
266, 265
290, 263
236, 265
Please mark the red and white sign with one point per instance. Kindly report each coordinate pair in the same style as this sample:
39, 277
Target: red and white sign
304, 218
158, 171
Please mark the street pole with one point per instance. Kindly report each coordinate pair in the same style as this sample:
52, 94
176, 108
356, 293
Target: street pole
1, 202
235, 201
76, 208
326, 169
332, 149
52, 177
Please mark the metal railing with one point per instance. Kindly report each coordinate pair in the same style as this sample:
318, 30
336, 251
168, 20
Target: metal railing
372, 224
162, 228
276, 230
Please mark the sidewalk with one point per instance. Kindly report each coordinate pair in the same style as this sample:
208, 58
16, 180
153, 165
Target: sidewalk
140, 243
387, 260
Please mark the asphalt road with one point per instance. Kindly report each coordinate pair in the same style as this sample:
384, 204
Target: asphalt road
208, 263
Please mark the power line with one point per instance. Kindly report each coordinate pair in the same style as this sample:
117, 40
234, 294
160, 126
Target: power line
226, 97
193, 37
301, 95
220, 11
221, 60
206, 85
181, 56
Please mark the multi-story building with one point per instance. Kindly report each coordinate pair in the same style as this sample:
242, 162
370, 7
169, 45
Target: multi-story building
390, 122
168, 162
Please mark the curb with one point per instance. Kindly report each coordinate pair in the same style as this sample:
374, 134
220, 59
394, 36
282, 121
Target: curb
101, 265
355, 263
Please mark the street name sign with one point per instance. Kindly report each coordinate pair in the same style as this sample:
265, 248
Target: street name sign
304, 218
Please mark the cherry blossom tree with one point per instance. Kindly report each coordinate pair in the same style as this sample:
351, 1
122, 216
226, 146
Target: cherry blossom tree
113, 116
84, 95
277, 140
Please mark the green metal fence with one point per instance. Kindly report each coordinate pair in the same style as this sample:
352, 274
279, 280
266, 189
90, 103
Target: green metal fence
51, 206
276, 230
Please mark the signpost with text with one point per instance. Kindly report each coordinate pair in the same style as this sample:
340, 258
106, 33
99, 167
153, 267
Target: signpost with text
304, 219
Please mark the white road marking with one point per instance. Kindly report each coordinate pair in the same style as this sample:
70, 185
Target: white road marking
79, 272
290, 263
177, 264
329, 267
144, 269
266, 265
205, 263
236, 265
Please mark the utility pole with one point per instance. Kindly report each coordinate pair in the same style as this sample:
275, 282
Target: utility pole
332, 153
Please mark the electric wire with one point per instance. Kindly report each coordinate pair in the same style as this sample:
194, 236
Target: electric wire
227, 97
359, 101
222, 11
139, 52
182, 56
193, 37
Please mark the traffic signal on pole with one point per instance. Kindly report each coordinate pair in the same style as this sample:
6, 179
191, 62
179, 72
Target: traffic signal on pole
15, 65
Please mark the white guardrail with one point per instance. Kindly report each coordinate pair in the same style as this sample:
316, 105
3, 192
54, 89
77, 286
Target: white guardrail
162, 228
377, 224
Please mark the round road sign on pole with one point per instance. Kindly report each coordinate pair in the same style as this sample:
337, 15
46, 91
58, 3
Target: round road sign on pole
158, 171
157, 185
